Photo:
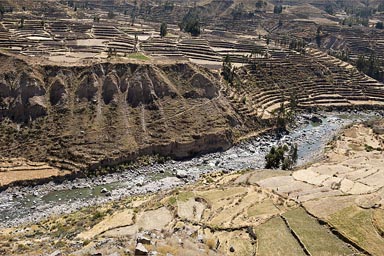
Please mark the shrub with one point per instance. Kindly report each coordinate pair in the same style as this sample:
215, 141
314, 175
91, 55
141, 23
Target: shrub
163, 29
191, 23
282, 156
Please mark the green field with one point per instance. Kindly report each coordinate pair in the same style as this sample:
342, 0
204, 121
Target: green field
137, 56
378, 219
356, 224
274, 238
317, 239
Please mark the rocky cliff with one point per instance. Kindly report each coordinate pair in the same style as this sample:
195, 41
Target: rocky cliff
79, 116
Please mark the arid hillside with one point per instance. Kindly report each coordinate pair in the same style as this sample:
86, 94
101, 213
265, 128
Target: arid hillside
78, 116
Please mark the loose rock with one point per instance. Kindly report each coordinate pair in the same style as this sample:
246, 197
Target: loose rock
141, 250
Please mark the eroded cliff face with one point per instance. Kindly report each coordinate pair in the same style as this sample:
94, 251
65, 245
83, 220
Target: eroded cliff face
80, 116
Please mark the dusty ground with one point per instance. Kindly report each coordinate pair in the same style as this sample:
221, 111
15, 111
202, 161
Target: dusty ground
19, 169
334, 207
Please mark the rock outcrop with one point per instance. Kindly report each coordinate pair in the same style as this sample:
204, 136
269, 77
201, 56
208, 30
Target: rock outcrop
81, 116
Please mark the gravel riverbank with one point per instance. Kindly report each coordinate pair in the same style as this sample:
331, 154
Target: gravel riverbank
27, 204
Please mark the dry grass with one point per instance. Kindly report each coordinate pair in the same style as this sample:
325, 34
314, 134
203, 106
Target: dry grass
211, 243
265, 207
165, 249
378, 220
274, 238
356, 224
316, 238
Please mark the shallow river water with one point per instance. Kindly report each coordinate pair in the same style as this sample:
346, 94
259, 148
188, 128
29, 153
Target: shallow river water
24, 204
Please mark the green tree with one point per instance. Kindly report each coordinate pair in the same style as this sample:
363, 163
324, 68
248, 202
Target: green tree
293, 102
380, 8
227, 70
285, 116
260, 5
21, 24
283, 157
318, 36
133, 13
168, 6
281, 117
278, 9
329, 9
272, 159
111, 15
2, 11
365, 12
370, 66
163, 29
294, 153
191, 23
286, 164
238, 11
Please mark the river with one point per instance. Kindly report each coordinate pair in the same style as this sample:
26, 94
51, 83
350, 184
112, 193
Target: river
19, 205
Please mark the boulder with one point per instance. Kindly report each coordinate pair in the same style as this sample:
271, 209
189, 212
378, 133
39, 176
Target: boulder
143, 240
104, 190
140, 250
378, 129
335, 185
315, 119
181, 174
368, 201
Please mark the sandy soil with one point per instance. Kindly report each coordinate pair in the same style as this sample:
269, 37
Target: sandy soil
19, 169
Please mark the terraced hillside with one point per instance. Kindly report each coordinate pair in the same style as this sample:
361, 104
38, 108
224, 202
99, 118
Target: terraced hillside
97, 92
315, 80
334, 207
76, 117
90, 85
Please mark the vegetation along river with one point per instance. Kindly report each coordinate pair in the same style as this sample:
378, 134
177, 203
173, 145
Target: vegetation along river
25, 204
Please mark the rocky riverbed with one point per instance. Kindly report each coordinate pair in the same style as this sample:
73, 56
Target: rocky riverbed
27, 204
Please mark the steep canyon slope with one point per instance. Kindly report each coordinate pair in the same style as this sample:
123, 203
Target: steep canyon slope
83, 116
74, 117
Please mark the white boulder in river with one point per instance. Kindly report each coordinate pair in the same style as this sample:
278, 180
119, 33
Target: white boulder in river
181, 174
